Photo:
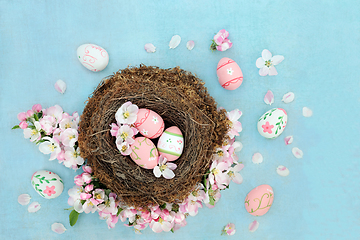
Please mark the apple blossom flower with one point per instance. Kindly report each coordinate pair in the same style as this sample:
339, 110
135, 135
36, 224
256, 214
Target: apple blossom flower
217, 175
50, 146
234, 174
159, 225
48, 123
127, 113
267, 62
69, 137
109, 205
86, 177
124, 147
87, 169
229, 229
222, 153
89, 188
235, 125
221, 41
29, 113
88, 206
36, 108
129, 213
98, 196
54, 111
126, 133
165, 169
78, 180
23, 125
33, 133
67, 122
72, 157
114, 129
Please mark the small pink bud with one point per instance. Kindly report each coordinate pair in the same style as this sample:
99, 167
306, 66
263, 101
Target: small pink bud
29, 113
21, 116
23, 125
37, 108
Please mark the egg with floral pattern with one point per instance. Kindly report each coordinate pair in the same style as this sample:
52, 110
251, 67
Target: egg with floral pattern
272, 123
144, 153
229, 74
149, 123
93, 57
259, 200
47, 184
171, 143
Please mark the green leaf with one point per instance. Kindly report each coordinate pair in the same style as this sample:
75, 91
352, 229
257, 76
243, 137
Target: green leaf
16, 127
172, 230
119, 211
212, 200
36, 117
82, 202
53, 179
163, 206
47, 181
73, 217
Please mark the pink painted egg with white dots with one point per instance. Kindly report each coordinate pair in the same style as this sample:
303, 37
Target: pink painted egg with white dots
93, 57
171, 143
144, 153
149, 123
229, 74
259, 200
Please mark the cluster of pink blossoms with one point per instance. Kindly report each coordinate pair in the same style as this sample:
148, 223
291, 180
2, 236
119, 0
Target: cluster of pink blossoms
89, 195
55, 131
221, 41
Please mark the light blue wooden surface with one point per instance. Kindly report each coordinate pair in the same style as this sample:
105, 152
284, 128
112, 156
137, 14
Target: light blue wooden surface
320, 40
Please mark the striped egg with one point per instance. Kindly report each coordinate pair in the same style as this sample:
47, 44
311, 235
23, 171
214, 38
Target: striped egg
171, 143
229, 74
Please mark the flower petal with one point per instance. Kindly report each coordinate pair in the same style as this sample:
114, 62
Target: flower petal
257, 158
34, 207
171, 166
307, 112
58, 228
157, 171
277, 59
253, 226
150, 48
60, 86
288, 97
272, 71
260, 62
282, 171
190, 45
264, 71
269, 97
175, 41
168, 174
288, 140
297, 152
24, 199
266, 55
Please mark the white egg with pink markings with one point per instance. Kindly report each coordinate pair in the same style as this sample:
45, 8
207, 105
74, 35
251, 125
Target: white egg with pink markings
171, 143
93, 57
272, 123
47, 184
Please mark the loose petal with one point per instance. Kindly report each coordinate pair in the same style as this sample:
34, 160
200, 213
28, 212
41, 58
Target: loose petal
150, 48
282, 171
24, 199
307, 112
257, 158
297, 152
190, 45
175, 41
269, 97
253, 226
34, 207
288, 97
58, 228
288, 140
60, 86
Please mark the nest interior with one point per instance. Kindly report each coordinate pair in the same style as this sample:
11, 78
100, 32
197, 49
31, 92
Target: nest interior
182, 100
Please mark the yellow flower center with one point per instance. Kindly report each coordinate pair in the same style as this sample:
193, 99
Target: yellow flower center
123, 148
71, 137
231, 174
163, 167
220, 153
215, 171
67, 125
33, 132
97, 195
124, 135
90, 203
52, 147
160, 220
126, 114
268, 63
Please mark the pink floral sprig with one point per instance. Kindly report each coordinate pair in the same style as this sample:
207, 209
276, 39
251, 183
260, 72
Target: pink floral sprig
229, 229
55, 131
221, 41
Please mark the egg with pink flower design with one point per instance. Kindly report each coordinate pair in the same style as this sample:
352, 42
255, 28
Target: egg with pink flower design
47, 184
149, 123
229, 74
272, 123
144, 153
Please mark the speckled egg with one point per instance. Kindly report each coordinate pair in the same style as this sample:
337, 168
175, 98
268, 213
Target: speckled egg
259, 200
149, 123
171, 143
229, 74
144, 153
47, 184
93, 57
272, 123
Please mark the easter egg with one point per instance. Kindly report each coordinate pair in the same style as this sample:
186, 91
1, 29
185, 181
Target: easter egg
93, 57
259, 200
272, 123
171, 143
149, 123
144, 153
47, 184
229, 74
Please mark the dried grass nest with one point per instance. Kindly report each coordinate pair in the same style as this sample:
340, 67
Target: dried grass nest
182, 100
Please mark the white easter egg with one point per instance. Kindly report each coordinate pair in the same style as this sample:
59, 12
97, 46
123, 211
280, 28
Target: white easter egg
171, 143
272, 123
47, 184
93, 57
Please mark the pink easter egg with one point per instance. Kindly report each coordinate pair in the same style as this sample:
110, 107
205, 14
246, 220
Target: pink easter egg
149, 123
171, 143
229, 74
259, 200
144, 153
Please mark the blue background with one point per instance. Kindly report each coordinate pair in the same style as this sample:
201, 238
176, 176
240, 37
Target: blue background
320, 41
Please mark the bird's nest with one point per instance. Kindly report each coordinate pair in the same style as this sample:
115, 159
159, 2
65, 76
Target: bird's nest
182, 100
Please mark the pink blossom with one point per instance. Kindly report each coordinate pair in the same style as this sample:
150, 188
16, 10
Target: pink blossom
84, 196
69, 137
87, 169
159, 225
21, 116
126, 133
79, 180
221, 36
29, 113
98, 196
67, 122
224, 46
88, 206
234, 174
48, 123
36, 108
221, 41
111, 221
123, 147
86, 177
109, 205
114, 129
217, 174
235, 126
267, 127
229, 229
129, 213
89, 188
23, 124
50, 146
127, 113
54, 111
